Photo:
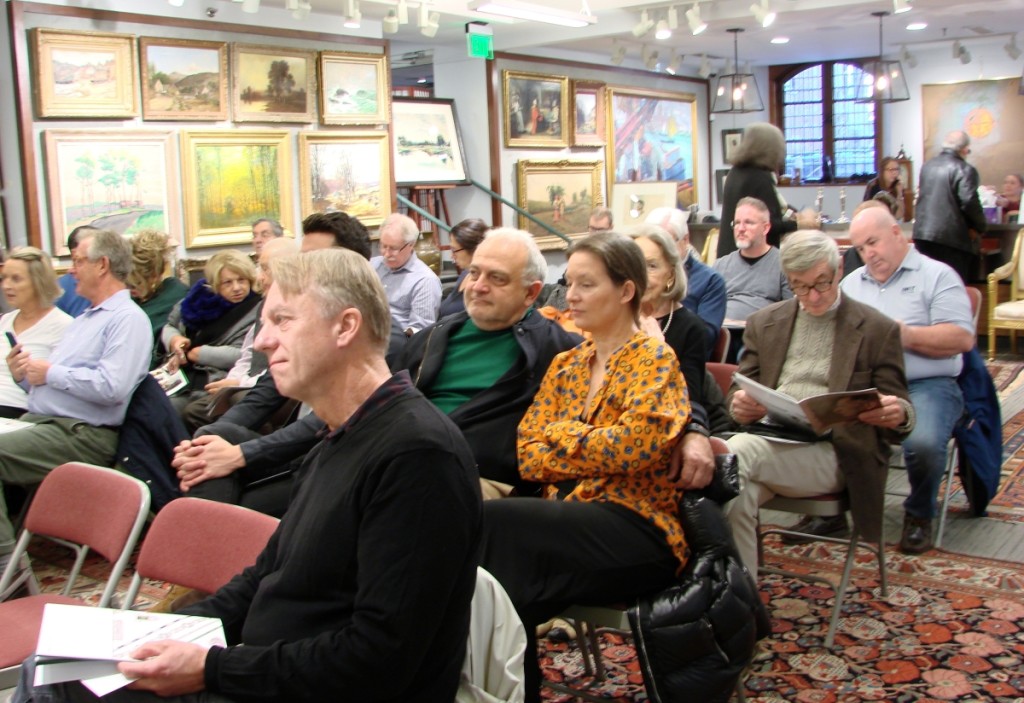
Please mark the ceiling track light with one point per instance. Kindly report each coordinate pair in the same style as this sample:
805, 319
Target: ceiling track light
652, 61
674, 64
251, 6
618, 52
402, 10
423, 15
901, 6
884, 81
1011, 48
522, 10
908, 58
705, 67
662, 32
302, 9
645, 25
672, 17
965, 55
763, 13
693, 19
737, 92
390, 22
175, 3
353, 17
433, 24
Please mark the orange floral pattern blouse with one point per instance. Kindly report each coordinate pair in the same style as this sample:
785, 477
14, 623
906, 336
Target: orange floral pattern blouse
620, 452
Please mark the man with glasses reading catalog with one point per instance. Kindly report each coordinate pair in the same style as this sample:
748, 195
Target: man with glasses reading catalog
413, 290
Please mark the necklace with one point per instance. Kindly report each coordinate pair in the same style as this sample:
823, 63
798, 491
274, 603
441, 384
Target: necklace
668, 322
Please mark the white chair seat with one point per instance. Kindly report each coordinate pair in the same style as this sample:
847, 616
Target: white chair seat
1009, 311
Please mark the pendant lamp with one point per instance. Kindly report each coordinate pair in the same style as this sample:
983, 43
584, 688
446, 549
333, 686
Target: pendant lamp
736, 92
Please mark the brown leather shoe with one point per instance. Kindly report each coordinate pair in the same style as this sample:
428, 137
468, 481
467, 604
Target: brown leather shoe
917, 535
817, 526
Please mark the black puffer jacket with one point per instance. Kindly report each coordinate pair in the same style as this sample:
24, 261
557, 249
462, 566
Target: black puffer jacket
948, 203
694, 639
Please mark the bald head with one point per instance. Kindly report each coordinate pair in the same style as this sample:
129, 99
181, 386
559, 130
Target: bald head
878, 239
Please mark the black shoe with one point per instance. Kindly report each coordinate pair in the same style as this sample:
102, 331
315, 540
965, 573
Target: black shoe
817, 526
917, 535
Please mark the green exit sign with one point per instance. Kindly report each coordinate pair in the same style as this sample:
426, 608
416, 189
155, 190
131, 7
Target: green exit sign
480, 46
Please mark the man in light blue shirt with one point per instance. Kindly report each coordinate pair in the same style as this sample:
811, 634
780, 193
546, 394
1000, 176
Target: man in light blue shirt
77, 399
414, 291
929, 301
70, 301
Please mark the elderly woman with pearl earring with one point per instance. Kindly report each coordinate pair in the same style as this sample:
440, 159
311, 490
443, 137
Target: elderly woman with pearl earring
662, 314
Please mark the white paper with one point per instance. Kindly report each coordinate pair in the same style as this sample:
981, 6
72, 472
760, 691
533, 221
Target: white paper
10, 425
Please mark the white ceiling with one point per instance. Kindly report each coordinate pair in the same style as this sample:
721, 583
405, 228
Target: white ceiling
818, 29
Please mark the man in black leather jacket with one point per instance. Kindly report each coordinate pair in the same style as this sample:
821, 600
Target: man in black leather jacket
949, 220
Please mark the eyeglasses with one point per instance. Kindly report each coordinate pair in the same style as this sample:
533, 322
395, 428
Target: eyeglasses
800, 290
458, 251
746, 223
393, 250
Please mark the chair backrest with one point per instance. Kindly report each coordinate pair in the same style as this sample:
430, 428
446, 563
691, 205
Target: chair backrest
721, 349
493, 668
710, 250
1017, 280
975, 297
99, 508
200, 544
723, 374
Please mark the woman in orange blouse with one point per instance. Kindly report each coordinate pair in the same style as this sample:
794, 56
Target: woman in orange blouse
599, 433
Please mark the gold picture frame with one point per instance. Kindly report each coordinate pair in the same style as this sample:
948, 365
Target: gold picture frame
534, 109
183, 79
231, 179
121, 180
84, 74
561, 193
653, 137
354, 88
349, 172
587, 125
291, 72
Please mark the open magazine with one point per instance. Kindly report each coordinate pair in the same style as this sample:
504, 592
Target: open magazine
171, 381
816, 414
79, 643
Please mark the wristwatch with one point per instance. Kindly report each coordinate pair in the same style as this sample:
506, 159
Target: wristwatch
696, 427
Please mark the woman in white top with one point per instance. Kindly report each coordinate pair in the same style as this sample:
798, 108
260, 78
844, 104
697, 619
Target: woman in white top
30, 288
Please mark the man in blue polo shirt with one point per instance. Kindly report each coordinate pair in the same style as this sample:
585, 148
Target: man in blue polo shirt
929, 301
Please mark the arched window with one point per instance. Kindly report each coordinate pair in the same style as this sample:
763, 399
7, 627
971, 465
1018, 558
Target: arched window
828, 135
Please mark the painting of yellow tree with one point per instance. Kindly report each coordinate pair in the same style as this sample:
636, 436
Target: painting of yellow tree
231, 180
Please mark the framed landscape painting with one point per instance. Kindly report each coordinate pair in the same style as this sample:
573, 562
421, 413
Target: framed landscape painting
588, 119
427, 143
535, 109
348, 172
654, 138
184, 79
84, 74
231, 179
272, 84
353, 88
121, 180
561, 194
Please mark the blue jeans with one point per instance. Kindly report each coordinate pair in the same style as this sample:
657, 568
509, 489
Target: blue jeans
938, 405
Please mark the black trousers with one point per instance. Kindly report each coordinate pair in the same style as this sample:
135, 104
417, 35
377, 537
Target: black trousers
965, 263
549, 554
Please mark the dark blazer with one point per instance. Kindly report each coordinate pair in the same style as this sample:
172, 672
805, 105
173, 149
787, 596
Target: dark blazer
867, 354
751, 182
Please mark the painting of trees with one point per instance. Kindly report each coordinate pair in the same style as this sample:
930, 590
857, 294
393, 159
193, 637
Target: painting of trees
273, 85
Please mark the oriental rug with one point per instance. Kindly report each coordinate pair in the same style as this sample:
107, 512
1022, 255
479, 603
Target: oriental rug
951, 628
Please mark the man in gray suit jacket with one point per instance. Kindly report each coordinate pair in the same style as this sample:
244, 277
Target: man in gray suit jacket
817, 343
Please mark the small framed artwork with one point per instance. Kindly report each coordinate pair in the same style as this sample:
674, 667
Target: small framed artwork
731, 139
121, 180
720, 175
535, 114
427, 143
353, 88
561, 194
184, 79
349, 172
84, 74
231, 179
655, 135
272, 84
587, 125
633, 202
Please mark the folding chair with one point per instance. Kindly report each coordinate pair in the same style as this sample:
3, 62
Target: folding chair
83, 507
200, 544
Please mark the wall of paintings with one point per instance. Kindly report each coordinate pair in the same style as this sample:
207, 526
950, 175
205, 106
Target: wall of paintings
198, 133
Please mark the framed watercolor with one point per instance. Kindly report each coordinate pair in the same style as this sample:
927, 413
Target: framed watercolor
354, 88
232, 178
121, 180
84, 74
272, 84
587, 126
654, 138
183, 79
348, 172
427, 143
560, 194
534, 109
731, 139
633, 202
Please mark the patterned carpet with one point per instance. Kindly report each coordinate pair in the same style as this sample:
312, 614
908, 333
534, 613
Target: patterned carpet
951, 628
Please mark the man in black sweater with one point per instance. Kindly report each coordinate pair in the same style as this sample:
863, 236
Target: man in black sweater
363, 593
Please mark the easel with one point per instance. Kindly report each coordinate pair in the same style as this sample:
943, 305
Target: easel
431, 199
